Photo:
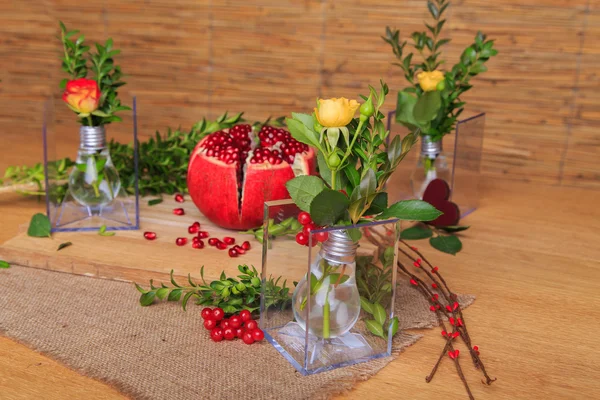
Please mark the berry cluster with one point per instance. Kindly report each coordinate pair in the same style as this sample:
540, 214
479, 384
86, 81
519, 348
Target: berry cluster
197, 242
240, 326
302, 238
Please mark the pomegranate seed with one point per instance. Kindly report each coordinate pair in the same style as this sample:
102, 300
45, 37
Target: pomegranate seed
239, 249
179, 198
213, 241
181, 241
198, 245
229, 240
178, 211
246, 245
232, 252
221, 245
434, 270
432, 308
476, 348
203, 234
196, 223
193, 229
150, 235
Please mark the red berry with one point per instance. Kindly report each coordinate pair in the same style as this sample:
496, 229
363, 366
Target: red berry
199, 244
246, 245
433, 285
213, 241
181, 241
229, 240
221, 245
210, 323
239, 332
235, 321
216, 334
229, 333
218, 314
224, 323
249, 325
193, 229
178, 211
413, 282
203, 234
301, 239
247, 337
304, 218
206, 313
150, 235
179, 198
258, 335
232, 252
309, 227
321, 236
245, 315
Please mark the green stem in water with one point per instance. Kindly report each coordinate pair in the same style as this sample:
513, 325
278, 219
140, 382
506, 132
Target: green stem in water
95, 186
326, 311
429, 164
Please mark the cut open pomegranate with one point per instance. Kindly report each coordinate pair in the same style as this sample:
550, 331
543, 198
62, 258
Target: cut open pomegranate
233, 172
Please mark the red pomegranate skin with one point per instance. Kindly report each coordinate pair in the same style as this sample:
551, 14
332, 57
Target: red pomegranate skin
213, 187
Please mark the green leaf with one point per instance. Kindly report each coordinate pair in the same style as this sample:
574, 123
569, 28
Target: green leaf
366, 305
379, 313
100, 113
352, 175
4, 264
63, 245
354, 233
186, 299
102, 231
162, 293
304, 189
404, 110
394, 326
333, 279
302, 133
328, 206
324, 170
433, 9
387, 258
454, 228
446, 244
154, 202
411, 210
477, 68
375, 328
139, 288
368, 184
333, 136
147, 298
39, 226
306, 119
378, 205
427, 106
416, 233
175, 295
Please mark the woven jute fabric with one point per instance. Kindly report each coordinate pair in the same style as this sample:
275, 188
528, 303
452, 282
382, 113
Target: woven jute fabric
98, 328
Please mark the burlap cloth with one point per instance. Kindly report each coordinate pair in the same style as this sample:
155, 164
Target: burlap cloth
97, 327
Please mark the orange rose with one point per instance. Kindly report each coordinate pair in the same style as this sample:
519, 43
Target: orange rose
82, 95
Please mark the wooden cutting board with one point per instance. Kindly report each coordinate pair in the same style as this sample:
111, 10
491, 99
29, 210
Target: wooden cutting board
128, 256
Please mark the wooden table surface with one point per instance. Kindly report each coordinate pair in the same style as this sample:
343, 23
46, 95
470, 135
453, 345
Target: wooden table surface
531, 257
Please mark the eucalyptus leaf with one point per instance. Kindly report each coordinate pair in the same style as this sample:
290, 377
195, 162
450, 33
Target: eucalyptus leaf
411, 210
39, 226
447, 244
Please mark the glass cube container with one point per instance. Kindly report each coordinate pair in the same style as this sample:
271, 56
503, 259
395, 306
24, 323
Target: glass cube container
67, 214
332, 283
460, 159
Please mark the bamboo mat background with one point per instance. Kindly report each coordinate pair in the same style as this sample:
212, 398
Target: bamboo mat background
191, 58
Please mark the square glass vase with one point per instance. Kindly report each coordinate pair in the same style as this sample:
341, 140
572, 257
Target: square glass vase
331, 283
459, 164
64, 206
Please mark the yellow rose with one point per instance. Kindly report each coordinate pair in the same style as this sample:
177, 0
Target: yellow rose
336, 113
430, 80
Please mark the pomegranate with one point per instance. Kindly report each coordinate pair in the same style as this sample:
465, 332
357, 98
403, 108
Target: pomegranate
232, 173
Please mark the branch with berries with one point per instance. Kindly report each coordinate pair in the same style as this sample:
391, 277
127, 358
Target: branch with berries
443, 302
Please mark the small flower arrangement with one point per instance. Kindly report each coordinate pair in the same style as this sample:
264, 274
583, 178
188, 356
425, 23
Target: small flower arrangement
432, 103
355, 162
95, 101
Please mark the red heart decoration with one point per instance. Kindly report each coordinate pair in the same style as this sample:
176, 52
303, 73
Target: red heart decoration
437, 194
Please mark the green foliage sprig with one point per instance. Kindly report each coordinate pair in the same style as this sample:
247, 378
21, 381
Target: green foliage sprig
231, 294
442, 238
445, 103
105, 72
287, 227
